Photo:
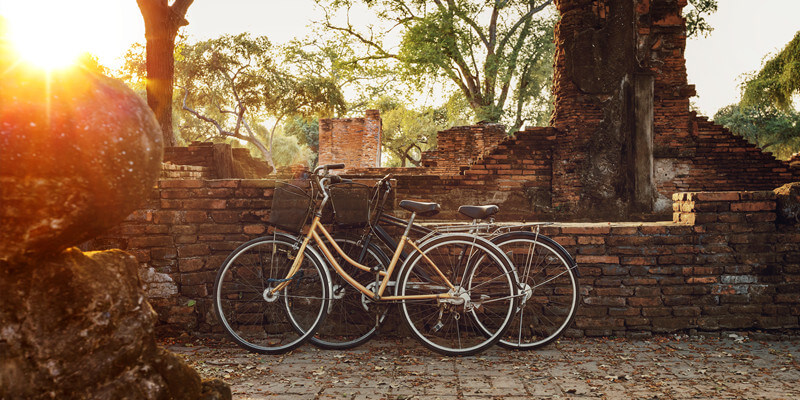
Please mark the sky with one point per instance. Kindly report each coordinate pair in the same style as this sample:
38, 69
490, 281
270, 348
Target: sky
745, 32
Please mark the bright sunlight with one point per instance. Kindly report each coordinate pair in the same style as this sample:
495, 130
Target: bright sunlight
53, 33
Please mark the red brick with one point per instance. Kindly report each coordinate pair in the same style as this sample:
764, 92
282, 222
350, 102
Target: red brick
753, 206
597, 259
644, 301
717, 196
586, 230
702, 280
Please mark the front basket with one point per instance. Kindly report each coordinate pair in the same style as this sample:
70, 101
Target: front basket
291, 206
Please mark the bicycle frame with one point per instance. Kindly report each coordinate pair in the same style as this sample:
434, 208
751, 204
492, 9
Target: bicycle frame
314, 232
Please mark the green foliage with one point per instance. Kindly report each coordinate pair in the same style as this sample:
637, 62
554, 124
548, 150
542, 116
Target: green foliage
306, 133
778, 81
695, 13
408, 132
240, 89
497, 54
771, 129
287, 151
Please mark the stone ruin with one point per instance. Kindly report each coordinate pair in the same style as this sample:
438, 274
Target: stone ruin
622, 141
724, 252
78, 153
622, 138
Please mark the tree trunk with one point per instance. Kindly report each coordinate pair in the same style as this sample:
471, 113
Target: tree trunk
161, 24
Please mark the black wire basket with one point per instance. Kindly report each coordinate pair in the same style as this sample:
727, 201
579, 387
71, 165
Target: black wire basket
291, 206
351, 204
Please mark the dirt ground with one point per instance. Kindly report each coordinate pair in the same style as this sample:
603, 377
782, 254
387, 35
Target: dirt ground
674, 367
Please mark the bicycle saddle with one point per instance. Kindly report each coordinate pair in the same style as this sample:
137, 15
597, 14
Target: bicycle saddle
422, 209
479, 212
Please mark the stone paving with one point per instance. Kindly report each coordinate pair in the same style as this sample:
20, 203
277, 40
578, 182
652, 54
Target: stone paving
675, 367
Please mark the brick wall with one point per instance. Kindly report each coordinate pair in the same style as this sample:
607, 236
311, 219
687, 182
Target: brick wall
516, 173
462, 146
356, 142
723, 263
172, 171
220, 160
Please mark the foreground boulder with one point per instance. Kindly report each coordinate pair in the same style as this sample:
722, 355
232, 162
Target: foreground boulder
78, 326
78, 152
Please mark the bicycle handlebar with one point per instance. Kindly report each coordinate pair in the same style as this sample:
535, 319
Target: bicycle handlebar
325, 168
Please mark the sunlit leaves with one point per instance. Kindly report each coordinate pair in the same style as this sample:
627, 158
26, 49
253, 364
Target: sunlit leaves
695, 13
778, 81
487, 50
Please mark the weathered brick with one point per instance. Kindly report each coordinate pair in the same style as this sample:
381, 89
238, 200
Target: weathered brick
753, 206
193, 250
597, 259
645, 301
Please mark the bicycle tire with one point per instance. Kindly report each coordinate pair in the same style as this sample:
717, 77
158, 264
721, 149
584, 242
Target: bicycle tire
353, 319
549, 289
265, 322
480, 273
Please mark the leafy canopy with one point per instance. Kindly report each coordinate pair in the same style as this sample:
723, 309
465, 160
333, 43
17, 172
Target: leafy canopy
496, 54
236, 85
778, 81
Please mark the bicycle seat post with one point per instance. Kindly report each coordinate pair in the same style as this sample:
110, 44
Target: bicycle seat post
410, 223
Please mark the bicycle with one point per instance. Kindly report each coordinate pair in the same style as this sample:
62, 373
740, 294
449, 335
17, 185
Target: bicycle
457, 293
547, 274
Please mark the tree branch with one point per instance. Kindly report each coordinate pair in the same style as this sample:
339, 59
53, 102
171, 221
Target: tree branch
522, 20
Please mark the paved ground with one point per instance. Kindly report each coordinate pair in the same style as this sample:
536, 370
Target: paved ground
731, 367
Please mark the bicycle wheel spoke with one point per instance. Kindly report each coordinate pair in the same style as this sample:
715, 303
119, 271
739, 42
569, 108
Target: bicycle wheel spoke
353, 318
480, 303
258, 317
549, 293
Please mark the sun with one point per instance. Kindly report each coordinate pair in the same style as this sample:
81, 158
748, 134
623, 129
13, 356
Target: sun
55, 33
40, 34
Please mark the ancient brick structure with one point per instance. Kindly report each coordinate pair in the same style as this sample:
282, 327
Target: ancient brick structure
356, 142
461, 146
724, 263
219, 160
624, 139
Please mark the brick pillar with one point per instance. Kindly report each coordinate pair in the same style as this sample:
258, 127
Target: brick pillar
601, 48
371, 146
356, 142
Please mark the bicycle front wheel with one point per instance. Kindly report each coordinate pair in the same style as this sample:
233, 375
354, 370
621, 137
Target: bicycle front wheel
549, 289
260, 318
480, 288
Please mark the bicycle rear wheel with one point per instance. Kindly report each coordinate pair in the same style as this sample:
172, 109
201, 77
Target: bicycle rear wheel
256, 317
353, 318
483, 285
549, 289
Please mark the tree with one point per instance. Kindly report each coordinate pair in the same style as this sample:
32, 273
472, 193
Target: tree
236, 84
777, 81
695, 13
408, 132
161, 24
766, 126
497, 53
306, 132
